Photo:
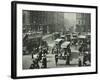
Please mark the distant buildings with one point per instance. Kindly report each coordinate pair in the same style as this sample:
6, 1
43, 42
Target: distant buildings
42, 21
49, 22
83, 22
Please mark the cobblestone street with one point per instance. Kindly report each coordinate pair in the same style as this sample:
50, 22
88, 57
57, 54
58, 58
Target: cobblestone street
27, 59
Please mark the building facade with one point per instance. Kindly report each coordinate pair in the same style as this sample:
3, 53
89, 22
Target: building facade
83, 22
43, 21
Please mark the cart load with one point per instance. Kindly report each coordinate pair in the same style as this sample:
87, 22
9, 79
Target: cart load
58, 40
65, 44
64, 47
82, 37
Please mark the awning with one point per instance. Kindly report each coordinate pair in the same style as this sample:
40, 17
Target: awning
58, 40
62, 35
65, 44
82, 37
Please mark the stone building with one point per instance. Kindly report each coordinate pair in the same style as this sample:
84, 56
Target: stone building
43, 21
83, 22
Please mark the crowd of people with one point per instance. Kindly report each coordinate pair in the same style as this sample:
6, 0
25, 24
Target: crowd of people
83, 48
39, 54
62, 54
39, 57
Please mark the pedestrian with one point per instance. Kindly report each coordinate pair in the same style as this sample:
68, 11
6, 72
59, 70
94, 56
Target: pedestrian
44, 61
69, 50
86, 59
45, 51
76, 45
79, 62
80, 50
65, 51
33, 52
56, 58
40, 54
36, 62
32, 65
67, 59
68, 55
52, 50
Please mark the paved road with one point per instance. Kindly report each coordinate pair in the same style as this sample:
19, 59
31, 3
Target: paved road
27, 59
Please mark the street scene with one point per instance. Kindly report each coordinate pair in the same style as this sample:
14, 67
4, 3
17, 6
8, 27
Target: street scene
56, 39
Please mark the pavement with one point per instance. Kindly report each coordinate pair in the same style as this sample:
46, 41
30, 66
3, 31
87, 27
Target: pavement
27, 61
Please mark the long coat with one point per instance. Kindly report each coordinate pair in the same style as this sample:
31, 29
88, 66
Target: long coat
44, 62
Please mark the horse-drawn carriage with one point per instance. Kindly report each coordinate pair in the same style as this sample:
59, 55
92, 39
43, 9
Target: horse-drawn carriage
63, 53
63, 50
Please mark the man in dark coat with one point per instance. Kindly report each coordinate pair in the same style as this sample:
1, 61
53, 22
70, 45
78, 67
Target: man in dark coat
56, 58
40, 54
32, 65
44, 61
80, 50
79, 62
37, 64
